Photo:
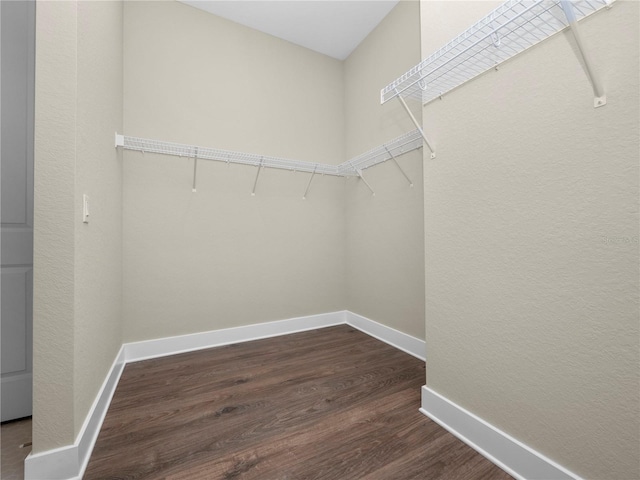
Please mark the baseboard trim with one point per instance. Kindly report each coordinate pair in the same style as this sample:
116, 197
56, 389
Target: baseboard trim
70, 462
144, 350
93, 423
57, 464
513, 456
402, 341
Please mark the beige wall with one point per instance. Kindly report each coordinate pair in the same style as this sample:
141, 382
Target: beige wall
77, 267
98, 266
193, 77
54, 225
221, 258
531, 250
385, 256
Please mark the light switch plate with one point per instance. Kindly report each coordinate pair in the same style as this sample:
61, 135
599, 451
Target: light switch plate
85, 208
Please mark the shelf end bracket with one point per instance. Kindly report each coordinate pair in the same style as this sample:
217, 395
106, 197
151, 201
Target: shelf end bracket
119, 140
398, 165
418, 126
304, 197
255, 182
598, 91
195, 170
359, 172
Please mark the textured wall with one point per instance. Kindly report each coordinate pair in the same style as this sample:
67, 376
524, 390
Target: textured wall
77, 282
54, 225
219, 257
193, 77
531, 251
98, 255
385, 255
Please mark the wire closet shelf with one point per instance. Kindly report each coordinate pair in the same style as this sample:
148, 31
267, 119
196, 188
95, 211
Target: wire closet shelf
508, 30
387, 151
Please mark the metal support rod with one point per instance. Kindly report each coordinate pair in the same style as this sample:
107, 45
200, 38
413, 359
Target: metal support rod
598, 90
359, 172
195, 170
304, 197
399, 167
253, 192
418, 126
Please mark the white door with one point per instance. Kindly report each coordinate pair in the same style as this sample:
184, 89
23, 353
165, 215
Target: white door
16, 172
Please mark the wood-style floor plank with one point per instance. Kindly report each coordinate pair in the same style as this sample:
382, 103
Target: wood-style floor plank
326, 404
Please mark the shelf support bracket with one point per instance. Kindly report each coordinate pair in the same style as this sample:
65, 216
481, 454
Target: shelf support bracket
119, 140
418, 126
359, 172
255, 182
195, 170
399, 167
304, 197
598, 91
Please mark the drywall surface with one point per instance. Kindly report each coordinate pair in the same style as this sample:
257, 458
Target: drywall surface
98, 253
77, 284
221, 257
207, 81
443, 26
384, 264
531, 245
53, 238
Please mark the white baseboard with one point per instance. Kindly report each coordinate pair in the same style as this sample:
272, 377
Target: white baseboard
57, 464
147, 349
161, 347
70, 462
402, 341
513, 456
93, 423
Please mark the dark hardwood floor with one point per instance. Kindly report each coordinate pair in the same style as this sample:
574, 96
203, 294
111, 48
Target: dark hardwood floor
326, 404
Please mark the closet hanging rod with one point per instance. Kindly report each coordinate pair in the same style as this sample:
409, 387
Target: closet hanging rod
511, 28
387, 151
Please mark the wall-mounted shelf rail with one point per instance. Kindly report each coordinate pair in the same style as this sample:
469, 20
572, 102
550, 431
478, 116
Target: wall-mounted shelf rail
508, 30
228, 156
396, 147
351, 168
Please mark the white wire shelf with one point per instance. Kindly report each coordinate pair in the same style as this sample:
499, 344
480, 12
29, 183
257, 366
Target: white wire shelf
513, 27
227, 156
396, 147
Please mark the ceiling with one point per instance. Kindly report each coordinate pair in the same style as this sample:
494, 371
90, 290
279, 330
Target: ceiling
334, 28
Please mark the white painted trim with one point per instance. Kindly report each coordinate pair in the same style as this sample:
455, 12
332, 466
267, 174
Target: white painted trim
57, 464
513, 456
93, 423
402, 341
161, 347
70, 462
